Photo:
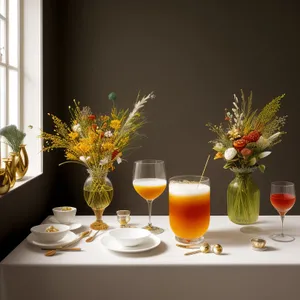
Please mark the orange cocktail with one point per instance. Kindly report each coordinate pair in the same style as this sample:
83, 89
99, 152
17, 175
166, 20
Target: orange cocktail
149, 188
189, 207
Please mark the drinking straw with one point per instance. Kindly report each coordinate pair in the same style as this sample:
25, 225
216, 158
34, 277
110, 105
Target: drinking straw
208, 157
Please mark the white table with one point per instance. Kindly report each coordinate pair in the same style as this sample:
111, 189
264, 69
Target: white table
163, 272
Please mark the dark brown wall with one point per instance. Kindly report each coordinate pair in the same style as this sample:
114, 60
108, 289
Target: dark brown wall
195, 55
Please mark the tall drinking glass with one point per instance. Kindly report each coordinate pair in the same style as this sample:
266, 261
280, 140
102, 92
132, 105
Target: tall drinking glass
283, 198
189, 207
149, 181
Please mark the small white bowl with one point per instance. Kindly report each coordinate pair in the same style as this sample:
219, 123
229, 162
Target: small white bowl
40, 234
64, 216
130, 237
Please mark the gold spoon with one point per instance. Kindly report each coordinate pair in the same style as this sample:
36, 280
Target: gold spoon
81, 236
53, 251
91, 238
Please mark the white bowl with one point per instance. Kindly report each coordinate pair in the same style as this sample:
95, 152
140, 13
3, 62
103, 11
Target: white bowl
130, 237
40, 234
64, 216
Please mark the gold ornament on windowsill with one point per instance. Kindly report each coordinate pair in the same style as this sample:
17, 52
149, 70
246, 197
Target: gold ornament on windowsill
22, 162
18, 161
4, 181
10, 166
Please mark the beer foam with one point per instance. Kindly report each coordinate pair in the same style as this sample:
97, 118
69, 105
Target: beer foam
149, 182
188, 189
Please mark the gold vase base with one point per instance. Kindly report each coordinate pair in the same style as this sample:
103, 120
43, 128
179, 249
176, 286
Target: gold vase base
99, 225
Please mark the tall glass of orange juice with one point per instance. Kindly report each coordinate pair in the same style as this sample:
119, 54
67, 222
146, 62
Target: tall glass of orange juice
149, 181
189, 207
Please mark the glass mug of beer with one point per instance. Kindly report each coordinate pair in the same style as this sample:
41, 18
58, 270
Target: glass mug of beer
189, 207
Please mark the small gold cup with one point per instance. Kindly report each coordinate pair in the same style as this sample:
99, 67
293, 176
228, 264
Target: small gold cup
258, 243
123, 217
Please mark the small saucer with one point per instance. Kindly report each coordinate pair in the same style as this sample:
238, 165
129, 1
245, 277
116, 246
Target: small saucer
260, 249
69, 237
110, 243
73, 226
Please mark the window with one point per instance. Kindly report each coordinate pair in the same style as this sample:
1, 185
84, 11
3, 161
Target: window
21, 74
9, 65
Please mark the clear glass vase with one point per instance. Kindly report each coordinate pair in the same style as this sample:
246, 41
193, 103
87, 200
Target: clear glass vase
243, 198
98, 193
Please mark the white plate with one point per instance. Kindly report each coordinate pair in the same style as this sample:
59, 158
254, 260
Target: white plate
73, 226
69, 237
111, 244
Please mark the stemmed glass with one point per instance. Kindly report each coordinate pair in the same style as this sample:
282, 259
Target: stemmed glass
283, 198
149, 181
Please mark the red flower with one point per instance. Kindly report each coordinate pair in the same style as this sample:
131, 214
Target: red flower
246, 152
94, 126
92, 117
114, 154
227, 118
252, 137
239, 144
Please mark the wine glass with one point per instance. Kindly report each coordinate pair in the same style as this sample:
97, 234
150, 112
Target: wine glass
283, 198
149, 181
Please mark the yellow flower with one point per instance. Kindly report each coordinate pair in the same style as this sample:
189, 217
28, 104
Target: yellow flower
104, 118
108, 146
115, 124
70, 156
83, 147
73, 135
93, 136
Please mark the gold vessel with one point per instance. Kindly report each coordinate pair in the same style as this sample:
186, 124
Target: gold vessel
22, 162
4, 181
10, 166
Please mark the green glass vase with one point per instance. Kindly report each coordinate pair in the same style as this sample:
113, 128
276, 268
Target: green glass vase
243, 198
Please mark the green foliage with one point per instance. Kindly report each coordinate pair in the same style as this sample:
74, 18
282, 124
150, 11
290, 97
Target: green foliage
268, 113
13, 136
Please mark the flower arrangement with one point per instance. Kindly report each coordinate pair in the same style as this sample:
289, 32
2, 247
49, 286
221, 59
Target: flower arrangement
249, 134
97, 142
248, 137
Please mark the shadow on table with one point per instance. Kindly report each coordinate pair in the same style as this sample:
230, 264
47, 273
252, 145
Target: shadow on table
232, 237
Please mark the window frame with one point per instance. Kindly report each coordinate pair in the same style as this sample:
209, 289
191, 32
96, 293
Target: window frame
30, 103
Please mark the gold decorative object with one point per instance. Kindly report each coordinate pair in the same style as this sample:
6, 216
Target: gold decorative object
123, 217
217, 249
205, 247
258, 243
22, 162
10, 165
4, 181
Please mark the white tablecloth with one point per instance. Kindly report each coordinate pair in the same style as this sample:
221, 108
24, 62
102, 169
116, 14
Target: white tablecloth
163, 272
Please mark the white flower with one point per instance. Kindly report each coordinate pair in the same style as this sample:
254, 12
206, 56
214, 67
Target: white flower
119, 160
230, 153
108, 134
84, 158
252, 161
264, 154
103, 161
218, 147
76, 128
263, 143
274, 136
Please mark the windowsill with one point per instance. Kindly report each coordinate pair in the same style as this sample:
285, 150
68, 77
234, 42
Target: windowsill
21, 182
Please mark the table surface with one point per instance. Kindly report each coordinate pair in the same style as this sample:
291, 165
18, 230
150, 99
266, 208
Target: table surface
236, 245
